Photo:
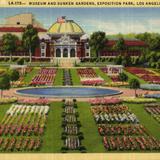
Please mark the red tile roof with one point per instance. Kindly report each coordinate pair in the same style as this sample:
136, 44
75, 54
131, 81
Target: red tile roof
18, 29
128, 43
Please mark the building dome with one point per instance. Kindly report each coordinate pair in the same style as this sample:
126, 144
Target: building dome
63, 26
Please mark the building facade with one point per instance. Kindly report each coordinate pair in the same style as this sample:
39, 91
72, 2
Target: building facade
65, 39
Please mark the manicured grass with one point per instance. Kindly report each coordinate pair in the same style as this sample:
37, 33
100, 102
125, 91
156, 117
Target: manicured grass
131, 76
3, 109
75, 77
92, 140
147, 120
52, 137
28, 77
103, 75
59, 78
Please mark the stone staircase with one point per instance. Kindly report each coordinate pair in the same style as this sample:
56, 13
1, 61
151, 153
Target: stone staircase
66, 62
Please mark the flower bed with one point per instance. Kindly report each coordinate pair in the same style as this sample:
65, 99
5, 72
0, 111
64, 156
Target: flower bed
138, 100
144, 74
150, 86
72, 136
121, 130
39, 101
131, 143
154, 111
105, 101
45, 76
89, 77
24, 125
8, 100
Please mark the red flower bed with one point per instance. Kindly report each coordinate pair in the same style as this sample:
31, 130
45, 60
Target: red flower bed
45, 76
144, 74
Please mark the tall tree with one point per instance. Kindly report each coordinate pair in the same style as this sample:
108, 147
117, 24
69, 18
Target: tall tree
134, 84
30, 39
9, 44
4, 83
97, 42
14, 75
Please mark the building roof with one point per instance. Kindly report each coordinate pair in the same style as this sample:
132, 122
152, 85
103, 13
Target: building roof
65, 27
18, 29
134, 42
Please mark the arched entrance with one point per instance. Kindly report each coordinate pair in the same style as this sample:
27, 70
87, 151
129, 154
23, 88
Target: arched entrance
65, 52
72, 52
58, 52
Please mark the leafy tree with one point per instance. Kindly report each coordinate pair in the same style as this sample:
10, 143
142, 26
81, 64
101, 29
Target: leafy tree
123, 77
14, 75
134, 84
118, 60
30, 39
4, 83
97, 42
9, 44
119, 45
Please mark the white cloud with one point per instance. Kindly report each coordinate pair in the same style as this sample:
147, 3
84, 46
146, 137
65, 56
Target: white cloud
130, 26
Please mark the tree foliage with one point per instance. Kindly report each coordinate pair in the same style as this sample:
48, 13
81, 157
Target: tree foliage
30, 39
14, 75
134, 84
97, 42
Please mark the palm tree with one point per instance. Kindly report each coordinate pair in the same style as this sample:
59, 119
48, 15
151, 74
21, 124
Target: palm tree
30, 39
9, 44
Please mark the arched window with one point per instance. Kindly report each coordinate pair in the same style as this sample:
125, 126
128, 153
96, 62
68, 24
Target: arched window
65, 52
72, 53
58, 52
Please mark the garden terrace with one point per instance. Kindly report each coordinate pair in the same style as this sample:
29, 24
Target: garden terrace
45, 76
144, 74
89, 77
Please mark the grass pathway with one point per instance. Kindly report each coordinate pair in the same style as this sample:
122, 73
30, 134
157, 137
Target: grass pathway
28, 77
75, 76
59, 78
92, 140
52, 138
103, 75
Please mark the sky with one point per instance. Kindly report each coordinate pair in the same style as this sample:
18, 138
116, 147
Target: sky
109, 20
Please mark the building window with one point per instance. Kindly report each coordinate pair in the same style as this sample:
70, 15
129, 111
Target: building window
43, 49
72, 53
18, 23
87, 46
87, 54
65, 52
58, 52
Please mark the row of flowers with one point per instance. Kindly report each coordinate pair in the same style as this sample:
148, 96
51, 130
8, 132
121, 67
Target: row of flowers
37, 101
109, 109
154, 111
45, 76
144, 74
8, 100
138, 100
18, 130
105, 101
70, 135
131, 143
20, 144
89, 77
108, 130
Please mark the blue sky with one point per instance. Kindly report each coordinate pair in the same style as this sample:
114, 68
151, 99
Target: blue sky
109, 20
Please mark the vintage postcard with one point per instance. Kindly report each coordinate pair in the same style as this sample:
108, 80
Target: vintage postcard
79, 80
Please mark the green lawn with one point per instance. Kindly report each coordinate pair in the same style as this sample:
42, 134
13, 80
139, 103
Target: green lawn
52, 142
146, 119
28, 77
131, 76
92, 140
3, 109
75, 77
103, 75
59, 78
